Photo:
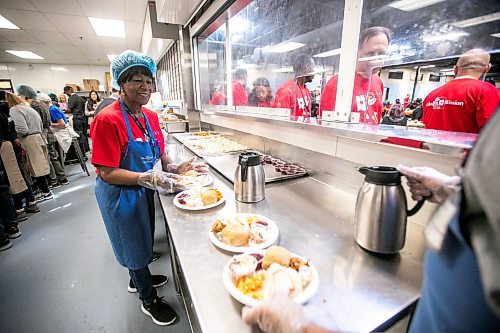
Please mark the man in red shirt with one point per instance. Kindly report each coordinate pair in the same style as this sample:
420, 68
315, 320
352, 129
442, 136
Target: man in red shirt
294, 94
240, 96
466, 103
368, 90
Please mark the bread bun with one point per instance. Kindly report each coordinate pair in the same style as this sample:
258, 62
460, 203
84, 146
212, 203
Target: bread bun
191, 173
209, 197
276, 254
235, 234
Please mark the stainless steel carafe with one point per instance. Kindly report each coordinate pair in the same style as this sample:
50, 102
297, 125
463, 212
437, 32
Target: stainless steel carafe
381, 210
249, 179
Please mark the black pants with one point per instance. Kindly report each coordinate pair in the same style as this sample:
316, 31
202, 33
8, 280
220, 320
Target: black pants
144, 283
80, 127
41, 183
7, 210
25, 195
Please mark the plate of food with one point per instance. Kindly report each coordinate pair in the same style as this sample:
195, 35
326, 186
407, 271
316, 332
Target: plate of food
199, 198
257, 275
242, 232
195, 179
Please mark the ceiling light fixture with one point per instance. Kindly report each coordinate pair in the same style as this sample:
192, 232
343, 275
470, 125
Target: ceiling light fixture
449, 36
410, 5
427, 66
108, 28
25, 54
111, 57
6, 24
283, 70
59, 69
497, 35
477, 20
327, 53
286, 47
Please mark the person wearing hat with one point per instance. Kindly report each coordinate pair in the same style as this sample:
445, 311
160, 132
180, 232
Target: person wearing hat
76, 106
294, 94
240, 96
127, 143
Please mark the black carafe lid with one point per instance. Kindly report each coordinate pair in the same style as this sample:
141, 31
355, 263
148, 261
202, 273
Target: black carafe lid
252, 158
381, 175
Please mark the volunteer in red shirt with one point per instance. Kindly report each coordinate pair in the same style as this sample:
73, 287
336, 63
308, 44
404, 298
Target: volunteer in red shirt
294, 94
367, 97
466, 103
240, 96
261, 94
127, 143
219, 95
406, 101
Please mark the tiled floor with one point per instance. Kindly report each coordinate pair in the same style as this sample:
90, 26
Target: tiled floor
61, 274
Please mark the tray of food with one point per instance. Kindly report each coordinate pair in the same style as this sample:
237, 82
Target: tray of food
199, 198
257, 275
277, 169
213, 145
192, 179
243, 232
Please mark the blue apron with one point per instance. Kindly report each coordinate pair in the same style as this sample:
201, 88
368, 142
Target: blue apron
452, 297
124, 208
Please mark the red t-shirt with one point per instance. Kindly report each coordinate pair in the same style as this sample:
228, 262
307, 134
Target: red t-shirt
240, 96
461, 105
218, 99
110, 138
359, 103
295, 97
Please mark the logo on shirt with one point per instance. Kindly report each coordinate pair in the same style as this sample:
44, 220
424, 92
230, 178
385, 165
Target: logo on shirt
303, 102
440, 102
361, 103
371, 98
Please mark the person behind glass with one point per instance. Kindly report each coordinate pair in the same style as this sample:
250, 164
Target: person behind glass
219, 95
91, 105
17, 174
76, 107
461, 284
294, 94
407, 101
418, 111
63, 102
395, 116
261, 94
368, 87
127, 143
465, 103
29, 128
115, 95
240, 95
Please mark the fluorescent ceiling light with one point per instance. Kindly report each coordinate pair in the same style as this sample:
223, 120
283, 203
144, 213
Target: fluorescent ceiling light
427, 66
286, 47
6, 24
111, 57
59, 69
25, 54
497, 35
108, 28
327, 53
449, 36
283, 70
409, 5
477, 20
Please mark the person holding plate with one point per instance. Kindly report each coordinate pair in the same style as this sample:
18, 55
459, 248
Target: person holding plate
127, 143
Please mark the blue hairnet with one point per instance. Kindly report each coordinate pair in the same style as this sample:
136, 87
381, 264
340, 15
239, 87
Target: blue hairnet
126, 60
26, 91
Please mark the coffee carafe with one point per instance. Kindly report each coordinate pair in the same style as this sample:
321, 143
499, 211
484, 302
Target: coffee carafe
249, 178
381, 210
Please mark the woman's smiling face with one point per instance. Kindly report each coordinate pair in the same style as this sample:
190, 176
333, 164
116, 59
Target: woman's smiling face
138, 90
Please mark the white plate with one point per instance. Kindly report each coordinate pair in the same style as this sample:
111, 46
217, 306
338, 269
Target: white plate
304, 297
273, 236
181, 206
209, 181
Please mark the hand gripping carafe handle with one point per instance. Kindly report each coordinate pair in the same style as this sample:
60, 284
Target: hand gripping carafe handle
244, 168
417, 207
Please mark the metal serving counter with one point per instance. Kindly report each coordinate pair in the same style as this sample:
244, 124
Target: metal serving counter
358, 292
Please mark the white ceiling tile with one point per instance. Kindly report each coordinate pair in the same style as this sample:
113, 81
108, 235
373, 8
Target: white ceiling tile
49, 37
135, 10
110, 9
18, 4
70, 24
63, 48
113, 45
18, 36
82, 39
134, 35
28, 20
70, 7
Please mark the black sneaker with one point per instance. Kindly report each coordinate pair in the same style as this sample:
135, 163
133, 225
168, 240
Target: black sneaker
5, 244
156, 256
21, 215
45, 197
161, 313
32, 208
63, 181
54, 185
158, 281
14, 232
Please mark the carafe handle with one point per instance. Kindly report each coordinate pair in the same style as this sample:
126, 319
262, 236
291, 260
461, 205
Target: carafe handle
417, 207
244, 168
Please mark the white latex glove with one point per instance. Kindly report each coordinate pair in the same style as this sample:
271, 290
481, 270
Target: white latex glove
428, 182
153, 179
185, 166
278, 315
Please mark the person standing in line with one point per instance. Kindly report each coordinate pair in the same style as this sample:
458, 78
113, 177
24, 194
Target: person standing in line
91, 105
76, 107
127, 143
406, 101
240, 96
63, 102
294, 94
465, 103
395, 116
368, 89
115, 95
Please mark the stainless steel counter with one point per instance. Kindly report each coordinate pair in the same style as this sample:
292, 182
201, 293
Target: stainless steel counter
358, 291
